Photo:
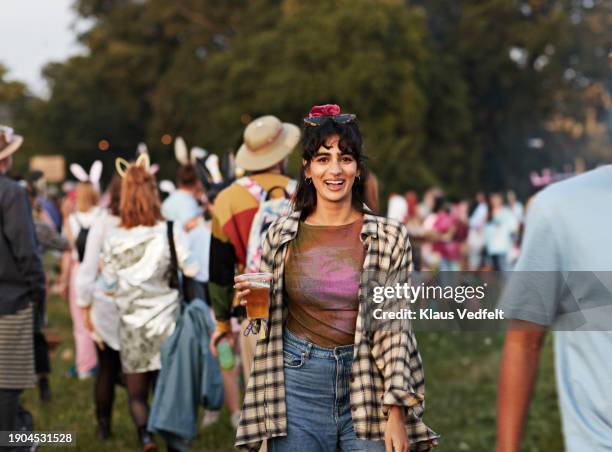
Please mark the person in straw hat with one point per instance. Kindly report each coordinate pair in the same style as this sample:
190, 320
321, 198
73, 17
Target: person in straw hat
266, 146
22, 285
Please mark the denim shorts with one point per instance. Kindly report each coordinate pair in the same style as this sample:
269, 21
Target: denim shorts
317, 398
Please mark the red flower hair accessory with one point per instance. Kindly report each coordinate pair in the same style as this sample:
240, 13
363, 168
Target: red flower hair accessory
324, 110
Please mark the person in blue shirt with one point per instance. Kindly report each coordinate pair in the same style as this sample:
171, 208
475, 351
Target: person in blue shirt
562, 282
183, 208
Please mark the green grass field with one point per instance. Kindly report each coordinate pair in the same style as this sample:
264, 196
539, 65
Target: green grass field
461, 372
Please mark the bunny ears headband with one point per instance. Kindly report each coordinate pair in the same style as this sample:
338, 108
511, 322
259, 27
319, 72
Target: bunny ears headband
122, 165
185, 157
95, 172
143, 149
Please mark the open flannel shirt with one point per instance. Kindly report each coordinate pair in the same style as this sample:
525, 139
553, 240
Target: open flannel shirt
387, 368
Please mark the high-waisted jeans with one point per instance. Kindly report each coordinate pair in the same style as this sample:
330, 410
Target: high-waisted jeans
317, 398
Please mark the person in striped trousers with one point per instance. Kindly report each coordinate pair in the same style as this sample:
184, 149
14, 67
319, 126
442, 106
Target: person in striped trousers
22, 285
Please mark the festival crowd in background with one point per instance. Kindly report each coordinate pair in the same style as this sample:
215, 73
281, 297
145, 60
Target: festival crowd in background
140, 254
452, 235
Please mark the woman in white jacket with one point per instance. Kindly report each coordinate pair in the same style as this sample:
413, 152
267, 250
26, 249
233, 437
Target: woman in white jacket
137, 269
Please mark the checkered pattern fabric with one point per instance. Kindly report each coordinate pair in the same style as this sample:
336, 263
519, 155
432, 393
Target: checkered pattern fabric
387, 368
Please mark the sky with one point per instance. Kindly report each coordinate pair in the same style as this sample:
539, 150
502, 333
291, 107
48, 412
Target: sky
33, 33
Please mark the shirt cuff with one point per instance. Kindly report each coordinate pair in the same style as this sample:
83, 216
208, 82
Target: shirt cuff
224, 326
407, 398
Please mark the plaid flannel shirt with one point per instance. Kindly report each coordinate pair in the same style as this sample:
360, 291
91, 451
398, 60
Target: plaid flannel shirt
387, 368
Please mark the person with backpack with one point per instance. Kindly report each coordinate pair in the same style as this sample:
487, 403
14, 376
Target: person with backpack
236, 237
76, 228
326, 377
182, 206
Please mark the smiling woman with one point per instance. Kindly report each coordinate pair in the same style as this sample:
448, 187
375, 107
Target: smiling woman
321, 258
333, 165
332, 172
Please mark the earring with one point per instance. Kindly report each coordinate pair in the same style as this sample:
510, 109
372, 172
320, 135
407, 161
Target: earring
309, 180
358, 178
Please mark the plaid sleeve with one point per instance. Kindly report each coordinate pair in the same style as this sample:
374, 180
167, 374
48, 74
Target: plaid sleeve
266, 263
394, 347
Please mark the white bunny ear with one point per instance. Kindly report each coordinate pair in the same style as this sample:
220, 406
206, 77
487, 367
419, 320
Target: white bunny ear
180, 151
212, 165
154, 169
142, 149
167, 186
78, 172
95, 172
197, 153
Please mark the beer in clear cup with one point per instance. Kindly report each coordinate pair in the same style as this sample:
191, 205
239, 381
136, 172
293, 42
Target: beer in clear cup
258, 300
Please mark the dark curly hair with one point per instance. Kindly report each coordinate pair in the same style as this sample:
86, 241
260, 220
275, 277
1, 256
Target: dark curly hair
351, 142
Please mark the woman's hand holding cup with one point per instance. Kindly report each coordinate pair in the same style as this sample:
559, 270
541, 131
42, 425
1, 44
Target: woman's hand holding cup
253, 291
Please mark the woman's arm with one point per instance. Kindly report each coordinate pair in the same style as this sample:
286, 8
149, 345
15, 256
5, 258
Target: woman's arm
88, 270
49, 238
396, 355
68, 233
396, 439
185, 259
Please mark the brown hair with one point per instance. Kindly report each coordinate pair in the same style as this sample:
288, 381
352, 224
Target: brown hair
86, 196
114, 192
140, 204
186, 176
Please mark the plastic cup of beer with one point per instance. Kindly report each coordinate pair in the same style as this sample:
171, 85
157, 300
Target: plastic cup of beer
258, 300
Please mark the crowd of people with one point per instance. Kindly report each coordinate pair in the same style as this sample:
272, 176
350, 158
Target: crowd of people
459, 235
158, 304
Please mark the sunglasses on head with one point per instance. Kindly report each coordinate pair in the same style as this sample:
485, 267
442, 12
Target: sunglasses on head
314, 121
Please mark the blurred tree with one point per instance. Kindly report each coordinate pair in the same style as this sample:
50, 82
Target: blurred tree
12, 96
108, 94
448, 93
582, 122
16, 108
525, 63
506, 58
370, 57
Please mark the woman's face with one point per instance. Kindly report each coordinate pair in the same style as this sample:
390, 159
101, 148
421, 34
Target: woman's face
332, 172
496, 201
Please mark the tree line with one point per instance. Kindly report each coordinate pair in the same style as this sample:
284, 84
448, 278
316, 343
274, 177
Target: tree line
447, 93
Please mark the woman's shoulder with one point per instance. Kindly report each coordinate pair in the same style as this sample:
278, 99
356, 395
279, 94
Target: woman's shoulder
88, 217
286, 224
139, 233
387, 228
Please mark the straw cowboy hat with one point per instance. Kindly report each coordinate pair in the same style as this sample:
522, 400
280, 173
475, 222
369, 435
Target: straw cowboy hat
9, 142
267, 141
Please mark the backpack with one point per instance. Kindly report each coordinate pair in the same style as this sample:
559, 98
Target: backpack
81, 240
269, 211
